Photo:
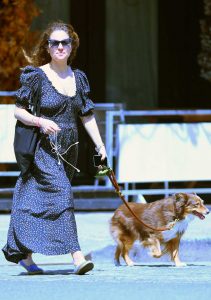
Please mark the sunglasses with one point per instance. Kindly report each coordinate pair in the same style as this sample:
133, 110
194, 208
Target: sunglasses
55, 43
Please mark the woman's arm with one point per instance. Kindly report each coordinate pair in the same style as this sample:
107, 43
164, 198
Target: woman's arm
26, 118
91, 127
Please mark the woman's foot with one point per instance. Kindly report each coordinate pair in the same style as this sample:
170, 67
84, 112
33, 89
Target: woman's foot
28, 261
30, 266
82, 265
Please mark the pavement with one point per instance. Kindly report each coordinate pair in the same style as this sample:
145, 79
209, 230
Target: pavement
150, 278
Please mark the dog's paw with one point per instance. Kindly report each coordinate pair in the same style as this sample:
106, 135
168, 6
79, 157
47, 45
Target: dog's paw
157, 255
180, 264
130, 264
117, 263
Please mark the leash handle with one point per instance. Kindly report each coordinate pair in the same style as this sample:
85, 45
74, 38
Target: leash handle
114, 182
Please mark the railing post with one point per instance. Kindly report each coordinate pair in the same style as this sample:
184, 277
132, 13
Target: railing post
109, 141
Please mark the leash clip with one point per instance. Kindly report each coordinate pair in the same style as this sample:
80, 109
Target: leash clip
172, 224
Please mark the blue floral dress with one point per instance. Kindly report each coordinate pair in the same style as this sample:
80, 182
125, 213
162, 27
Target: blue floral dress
42, 218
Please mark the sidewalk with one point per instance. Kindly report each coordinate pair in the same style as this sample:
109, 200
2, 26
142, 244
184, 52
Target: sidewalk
149, 279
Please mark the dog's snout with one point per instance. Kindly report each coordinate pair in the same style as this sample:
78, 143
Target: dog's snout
207, 212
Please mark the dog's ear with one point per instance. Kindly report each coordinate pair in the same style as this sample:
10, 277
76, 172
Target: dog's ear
181, 201
181, 196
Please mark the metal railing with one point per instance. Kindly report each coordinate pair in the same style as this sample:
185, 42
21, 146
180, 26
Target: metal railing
112, 148
7, 94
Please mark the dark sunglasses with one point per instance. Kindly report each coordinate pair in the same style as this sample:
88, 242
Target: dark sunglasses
55, 43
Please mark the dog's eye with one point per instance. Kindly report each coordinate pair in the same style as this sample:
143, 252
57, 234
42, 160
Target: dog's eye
196, 205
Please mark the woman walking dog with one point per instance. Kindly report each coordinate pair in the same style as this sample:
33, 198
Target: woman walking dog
42, 218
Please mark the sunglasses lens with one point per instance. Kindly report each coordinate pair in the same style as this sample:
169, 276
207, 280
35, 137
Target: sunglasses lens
55, 43
64, 43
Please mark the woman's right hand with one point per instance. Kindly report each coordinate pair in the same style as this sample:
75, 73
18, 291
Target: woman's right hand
48, 126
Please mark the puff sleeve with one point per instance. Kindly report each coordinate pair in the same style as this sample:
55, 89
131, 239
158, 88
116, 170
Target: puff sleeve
29, 80
86, 105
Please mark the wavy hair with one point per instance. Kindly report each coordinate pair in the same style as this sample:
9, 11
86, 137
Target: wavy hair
40, 56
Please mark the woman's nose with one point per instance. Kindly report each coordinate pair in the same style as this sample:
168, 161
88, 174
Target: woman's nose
60, 46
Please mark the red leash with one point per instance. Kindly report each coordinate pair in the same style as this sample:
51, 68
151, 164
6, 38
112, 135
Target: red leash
109, 172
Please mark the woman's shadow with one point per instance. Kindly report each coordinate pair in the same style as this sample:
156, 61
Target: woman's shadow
50, 272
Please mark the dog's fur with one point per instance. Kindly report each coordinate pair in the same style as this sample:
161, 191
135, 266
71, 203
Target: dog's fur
125, 229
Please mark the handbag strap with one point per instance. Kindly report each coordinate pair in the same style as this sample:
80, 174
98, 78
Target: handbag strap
35, 109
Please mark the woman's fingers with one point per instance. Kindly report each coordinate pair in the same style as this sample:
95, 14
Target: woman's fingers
103, 156
52, 130
103, 153
49, 127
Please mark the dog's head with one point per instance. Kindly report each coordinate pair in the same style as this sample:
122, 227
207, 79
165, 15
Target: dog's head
190, 204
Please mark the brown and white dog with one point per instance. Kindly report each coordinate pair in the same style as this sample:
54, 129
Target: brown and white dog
125, 229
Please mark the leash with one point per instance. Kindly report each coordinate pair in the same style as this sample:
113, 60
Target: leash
110, 173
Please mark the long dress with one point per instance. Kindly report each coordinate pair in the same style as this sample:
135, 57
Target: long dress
42, 217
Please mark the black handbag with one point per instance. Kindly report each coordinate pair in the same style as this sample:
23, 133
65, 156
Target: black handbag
26, 137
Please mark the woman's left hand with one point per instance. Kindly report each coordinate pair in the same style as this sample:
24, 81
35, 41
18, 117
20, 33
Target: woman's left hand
102, 152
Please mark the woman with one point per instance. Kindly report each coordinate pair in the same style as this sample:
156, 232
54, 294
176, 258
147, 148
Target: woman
42, 219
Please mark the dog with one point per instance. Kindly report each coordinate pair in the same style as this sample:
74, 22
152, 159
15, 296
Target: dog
178, 209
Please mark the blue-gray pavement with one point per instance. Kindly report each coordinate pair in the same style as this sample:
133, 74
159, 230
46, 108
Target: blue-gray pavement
148, 279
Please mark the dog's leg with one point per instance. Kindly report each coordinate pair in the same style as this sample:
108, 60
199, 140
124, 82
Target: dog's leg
154, 246
173, 248
117, 234
117, 255
127, 245
155, 249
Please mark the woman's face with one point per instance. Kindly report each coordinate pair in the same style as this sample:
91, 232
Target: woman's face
59, 46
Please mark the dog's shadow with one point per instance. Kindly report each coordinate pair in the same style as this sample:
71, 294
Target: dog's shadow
145, 265
154, 266
167, 266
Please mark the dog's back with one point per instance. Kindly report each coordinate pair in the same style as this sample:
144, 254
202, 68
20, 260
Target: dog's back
155, 214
